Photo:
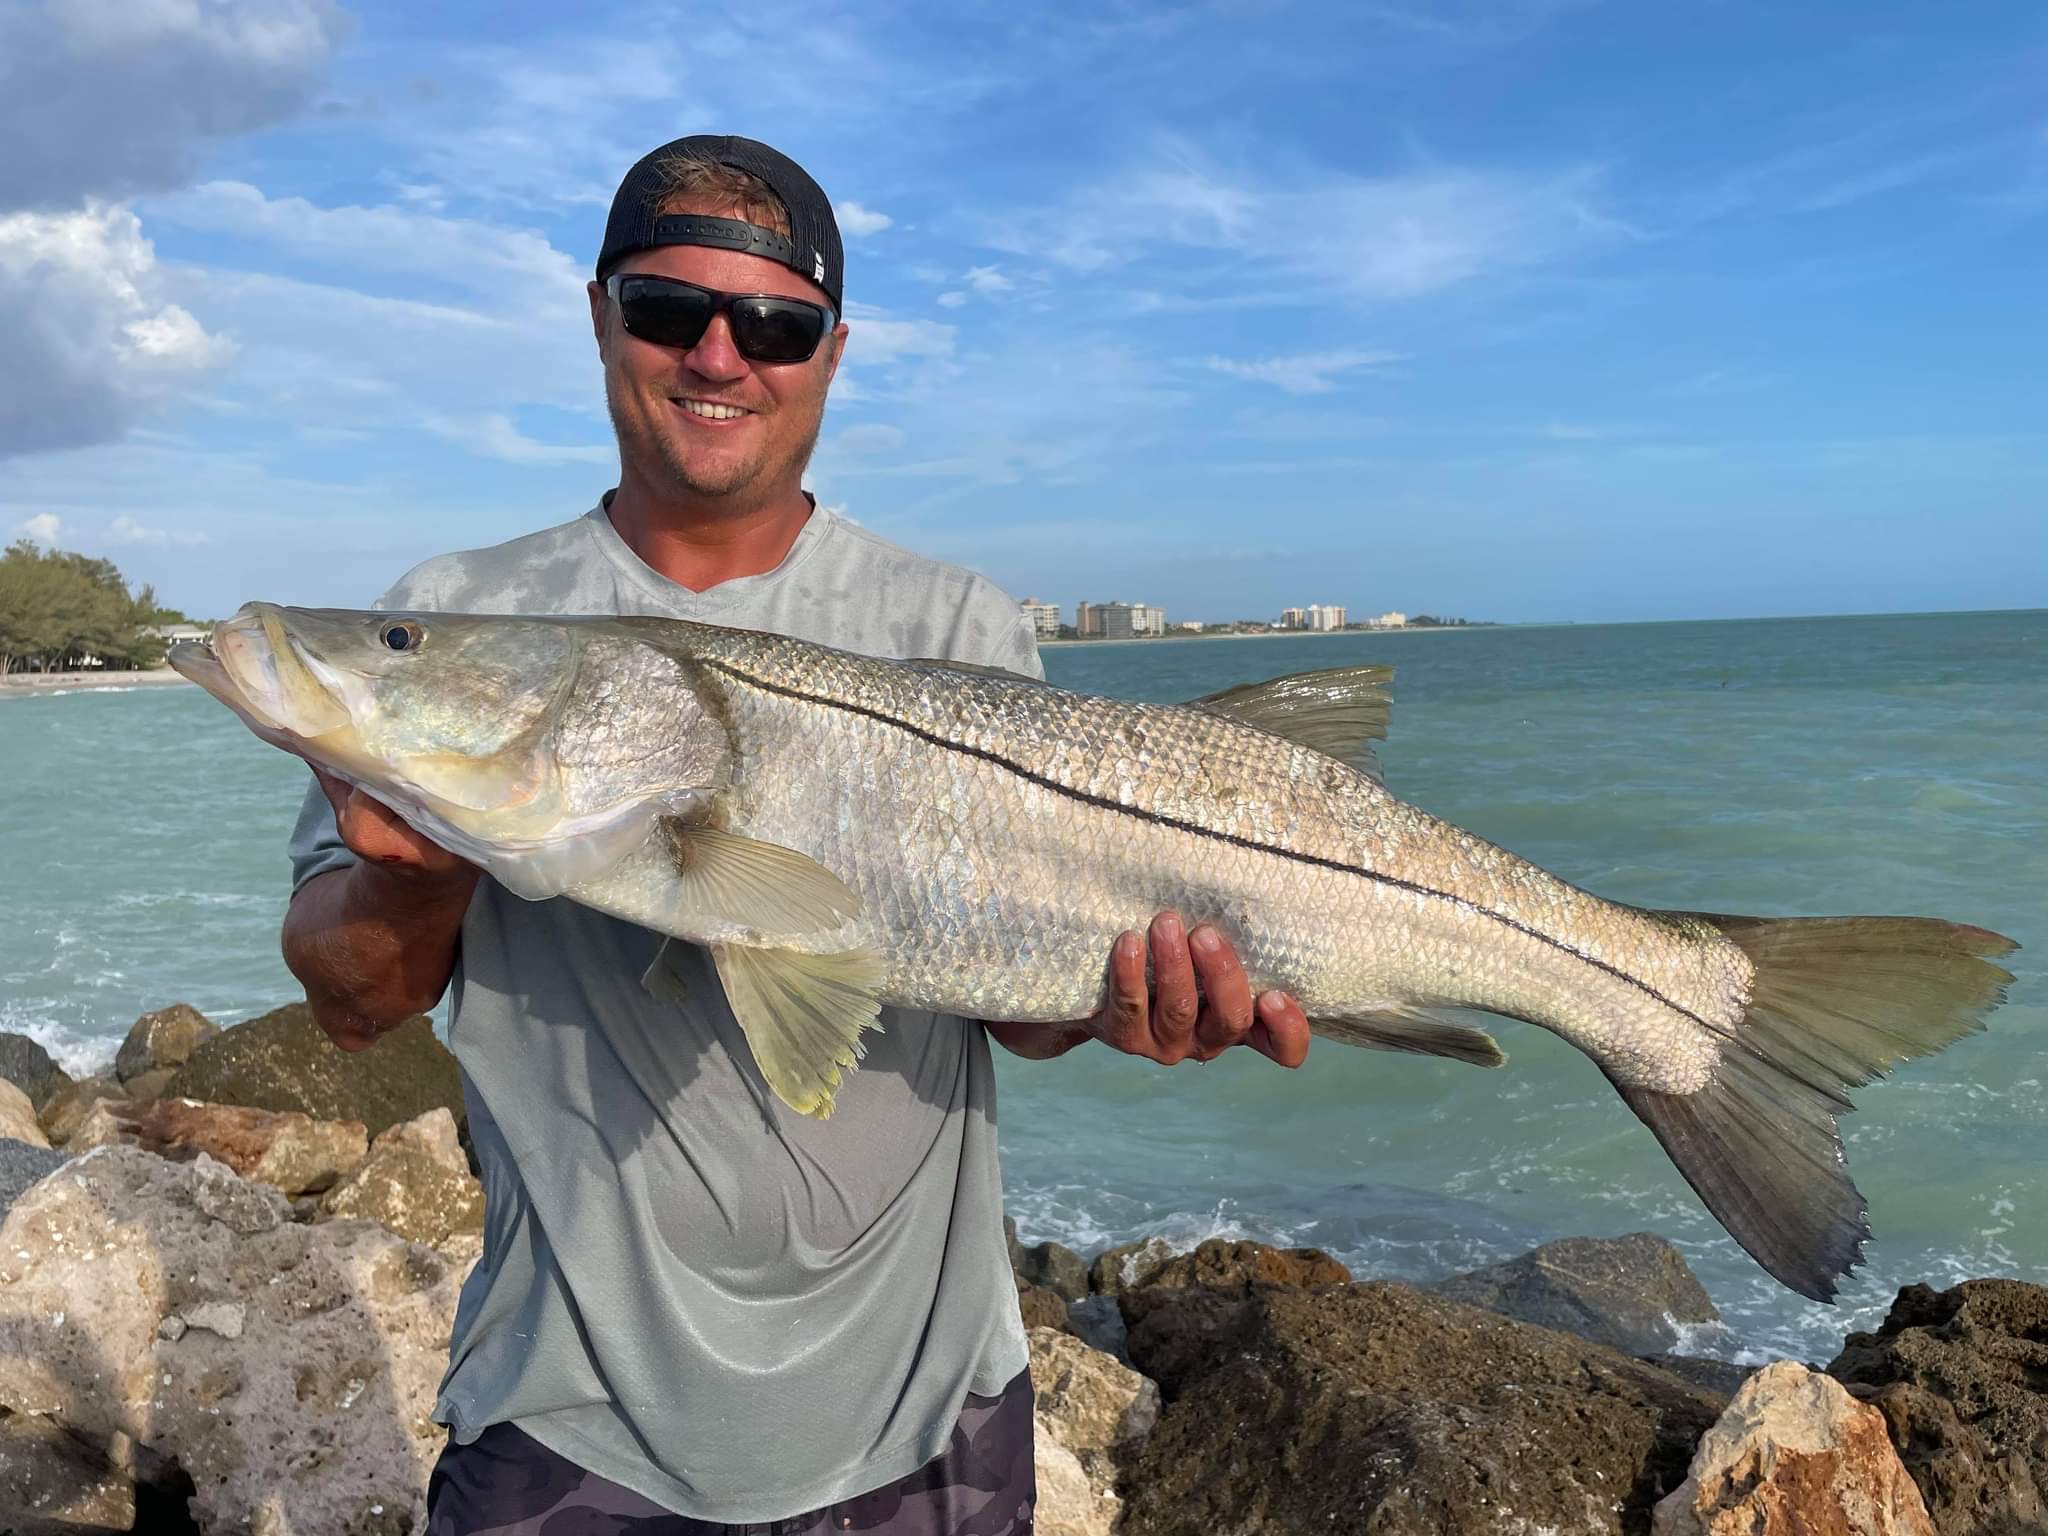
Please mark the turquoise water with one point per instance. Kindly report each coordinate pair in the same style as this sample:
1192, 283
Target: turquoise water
1889, 764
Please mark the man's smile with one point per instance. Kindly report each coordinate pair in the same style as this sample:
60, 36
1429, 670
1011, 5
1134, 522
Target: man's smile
711, 410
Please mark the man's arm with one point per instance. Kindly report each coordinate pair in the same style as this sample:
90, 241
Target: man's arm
1200, 1004
375, 942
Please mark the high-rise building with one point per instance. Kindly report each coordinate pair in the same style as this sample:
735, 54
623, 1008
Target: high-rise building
1391, 620
1293, 618
1045, 618
1324, 616
1088, 618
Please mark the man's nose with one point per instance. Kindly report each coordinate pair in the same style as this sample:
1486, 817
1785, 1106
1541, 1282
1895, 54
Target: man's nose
715, 356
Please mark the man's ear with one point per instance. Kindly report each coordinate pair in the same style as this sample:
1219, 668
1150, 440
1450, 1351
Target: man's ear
838, 351
600, 312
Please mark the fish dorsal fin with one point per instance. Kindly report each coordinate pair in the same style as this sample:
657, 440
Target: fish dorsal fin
802, 1016
1339, 711
978, 669
729, 882
1425, 1031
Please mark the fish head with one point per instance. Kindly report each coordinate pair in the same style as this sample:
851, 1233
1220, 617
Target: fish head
471, 727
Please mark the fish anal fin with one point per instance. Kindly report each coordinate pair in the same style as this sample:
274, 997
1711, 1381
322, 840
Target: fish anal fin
1423, 1031
725, 880
1338, 711
802, 1015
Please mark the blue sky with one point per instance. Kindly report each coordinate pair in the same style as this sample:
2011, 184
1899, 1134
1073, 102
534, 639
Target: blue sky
1522, 311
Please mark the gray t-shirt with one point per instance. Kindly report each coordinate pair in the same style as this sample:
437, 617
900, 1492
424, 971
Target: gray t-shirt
686, 1286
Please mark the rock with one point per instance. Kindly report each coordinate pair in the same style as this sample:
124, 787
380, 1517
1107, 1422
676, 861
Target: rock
70, 1104
314, 1419
1794, 1454
22, 1165
1624, 1292
106, 1126
144, 1086
30, 1068
165, 1038
1010, 1241
18, 1117
1723, 1378
1099, 1323
1042, 1308
1234, 1267
1379, 1408
1089, 1411
52, 1484
1961, 1377
415, 1181
1054, 1267
290, 1151
1116, 1268
283, 1061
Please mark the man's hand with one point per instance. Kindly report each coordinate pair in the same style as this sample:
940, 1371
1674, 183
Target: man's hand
1200, 1004
375, 834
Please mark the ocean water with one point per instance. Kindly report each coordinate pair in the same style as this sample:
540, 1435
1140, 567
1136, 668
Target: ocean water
1885, 764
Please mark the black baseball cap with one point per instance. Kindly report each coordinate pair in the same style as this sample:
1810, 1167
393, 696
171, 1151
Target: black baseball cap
811, 248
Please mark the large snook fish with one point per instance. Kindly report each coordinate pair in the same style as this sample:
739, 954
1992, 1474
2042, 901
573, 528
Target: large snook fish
844, 832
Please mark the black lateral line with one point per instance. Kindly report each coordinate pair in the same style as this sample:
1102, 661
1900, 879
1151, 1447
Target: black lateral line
1174, 824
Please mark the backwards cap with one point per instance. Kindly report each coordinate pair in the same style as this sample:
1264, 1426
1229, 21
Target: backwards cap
810, 249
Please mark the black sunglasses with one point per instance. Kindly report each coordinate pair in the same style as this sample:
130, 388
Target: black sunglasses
766, 327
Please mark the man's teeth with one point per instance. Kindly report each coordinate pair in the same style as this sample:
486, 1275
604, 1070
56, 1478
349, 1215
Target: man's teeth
713, 412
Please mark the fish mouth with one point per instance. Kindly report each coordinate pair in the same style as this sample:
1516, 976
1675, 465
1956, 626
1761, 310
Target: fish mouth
254, 666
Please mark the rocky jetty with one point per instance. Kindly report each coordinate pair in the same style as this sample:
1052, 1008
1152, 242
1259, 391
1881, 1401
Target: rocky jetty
228, 1273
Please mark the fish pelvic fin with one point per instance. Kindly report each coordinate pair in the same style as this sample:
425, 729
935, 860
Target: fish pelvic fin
802, 1015
1426, 1032
1835, 1002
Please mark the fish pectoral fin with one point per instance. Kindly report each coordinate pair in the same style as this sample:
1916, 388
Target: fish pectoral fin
1424, 1031
1339, 711
725, 879
661, 979
802, 1015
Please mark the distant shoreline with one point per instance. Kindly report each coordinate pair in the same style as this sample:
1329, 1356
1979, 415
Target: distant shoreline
1281, 634
28, 684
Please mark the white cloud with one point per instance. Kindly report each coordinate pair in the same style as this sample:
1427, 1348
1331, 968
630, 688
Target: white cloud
1305, 374
952, 299
126, 530
45, 528
91, 340
860, 222
869, 437
495, 437
873, 338
103, 100
987, 280
1374, 238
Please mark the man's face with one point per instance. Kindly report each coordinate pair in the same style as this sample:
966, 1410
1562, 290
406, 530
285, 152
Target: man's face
657, 394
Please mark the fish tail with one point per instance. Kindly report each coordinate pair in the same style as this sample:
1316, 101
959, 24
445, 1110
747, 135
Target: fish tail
1835, 1002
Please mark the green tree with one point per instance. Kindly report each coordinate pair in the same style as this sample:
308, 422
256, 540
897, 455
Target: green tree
60, 610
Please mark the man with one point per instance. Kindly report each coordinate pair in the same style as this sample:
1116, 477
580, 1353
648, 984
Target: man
696, 1309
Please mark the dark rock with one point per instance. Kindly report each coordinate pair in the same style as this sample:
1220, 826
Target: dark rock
1231, 1267
1722, 1377
1010, 1241
22, 1165
283, 1061
1382, 1409
1055, 1268
1099, 1323
30, 1068
166, 1037
1042, 1308
1961, 1377
1115, 1268
1624, 1292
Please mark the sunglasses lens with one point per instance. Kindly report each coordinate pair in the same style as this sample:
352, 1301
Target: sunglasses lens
776, 330
667, 314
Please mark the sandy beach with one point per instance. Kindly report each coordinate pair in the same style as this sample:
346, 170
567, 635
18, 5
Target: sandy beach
28, 684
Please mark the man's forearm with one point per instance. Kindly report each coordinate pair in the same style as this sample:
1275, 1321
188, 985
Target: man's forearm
373, 946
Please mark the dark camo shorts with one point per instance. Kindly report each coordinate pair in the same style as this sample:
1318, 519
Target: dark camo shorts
505, 1483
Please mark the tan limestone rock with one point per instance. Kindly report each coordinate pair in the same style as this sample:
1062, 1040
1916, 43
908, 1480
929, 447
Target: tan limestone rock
18, 1117
287, 1150
1795, 1455
166, 1037
69, 1105
144, 1086
1089, 1409
415, 1181
297, 1391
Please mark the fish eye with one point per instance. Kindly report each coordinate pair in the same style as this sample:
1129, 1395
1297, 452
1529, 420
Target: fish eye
404, 635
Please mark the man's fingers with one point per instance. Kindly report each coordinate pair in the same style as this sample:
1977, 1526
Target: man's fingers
1280, 1030
336, 791
1122, 1025
1227, 1017
1175, 1002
